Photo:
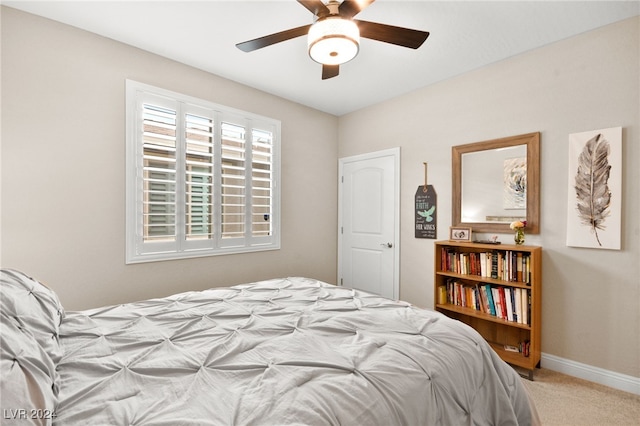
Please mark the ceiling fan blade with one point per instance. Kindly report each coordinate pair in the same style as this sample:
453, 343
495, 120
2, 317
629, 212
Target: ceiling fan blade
268, 40
405, 37
330, 71
317, 7
350, 8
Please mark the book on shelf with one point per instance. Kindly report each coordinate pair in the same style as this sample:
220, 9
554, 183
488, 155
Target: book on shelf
519, 267
494, 265
498, 301
525, 306
492, 305
442, 295
509, 302
518, 302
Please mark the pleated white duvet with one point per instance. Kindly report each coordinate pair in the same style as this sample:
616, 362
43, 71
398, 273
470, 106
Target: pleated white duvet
277, 352
284, 351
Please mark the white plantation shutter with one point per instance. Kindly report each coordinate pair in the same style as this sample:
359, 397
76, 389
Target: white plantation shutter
201, 178
159, 173
262, 184
199, 171
234, 183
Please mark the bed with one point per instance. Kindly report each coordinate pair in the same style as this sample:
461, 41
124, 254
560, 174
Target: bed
281, 351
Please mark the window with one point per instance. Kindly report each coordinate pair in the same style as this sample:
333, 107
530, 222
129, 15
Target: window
202, 179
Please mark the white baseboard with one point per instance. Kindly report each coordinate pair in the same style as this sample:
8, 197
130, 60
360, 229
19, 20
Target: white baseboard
612, 379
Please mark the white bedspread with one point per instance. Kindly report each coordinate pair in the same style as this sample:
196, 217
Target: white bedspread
284, 351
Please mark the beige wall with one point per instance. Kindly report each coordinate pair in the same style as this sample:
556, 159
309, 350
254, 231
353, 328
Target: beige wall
591, 298
63, 159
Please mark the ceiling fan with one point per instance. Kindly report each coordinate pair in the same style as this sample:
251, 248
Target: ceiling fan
334, 37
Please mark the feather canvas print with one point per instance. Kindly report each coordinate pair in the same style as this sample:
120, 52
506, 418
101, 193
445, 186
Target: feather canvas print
594, 206
592, 179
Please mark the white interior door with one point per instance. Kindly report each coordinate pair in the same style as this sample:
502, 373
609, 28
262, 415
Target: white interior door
368, 233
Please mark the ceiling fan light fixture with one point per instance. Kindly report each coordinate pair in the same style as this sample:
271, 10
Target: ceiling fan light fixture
333, 41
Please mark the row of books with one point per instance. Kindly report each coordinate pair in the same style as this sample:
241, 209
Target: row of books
523, 348
506, 265
508, 303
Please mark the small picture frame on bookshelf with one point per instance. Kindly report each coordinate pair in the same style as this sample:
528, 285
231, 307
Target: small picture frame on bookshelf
459, 234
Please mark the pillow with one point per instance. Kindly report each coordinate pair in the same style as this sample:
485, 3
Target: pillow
35, 307
30, 317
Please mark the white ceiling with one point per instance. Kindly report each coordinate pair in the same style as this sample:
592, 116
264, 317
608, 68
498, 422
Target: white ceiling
465, 35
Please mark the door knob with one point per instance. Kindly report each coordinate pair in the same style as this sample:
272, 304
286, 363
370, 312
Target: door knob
389, 245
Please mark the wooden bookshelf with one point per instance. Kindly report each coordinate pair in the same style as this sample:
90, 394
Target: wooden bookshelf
465, 274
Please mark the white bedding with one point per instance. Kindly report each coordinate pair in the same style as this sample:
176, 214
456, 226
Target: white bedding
283, 351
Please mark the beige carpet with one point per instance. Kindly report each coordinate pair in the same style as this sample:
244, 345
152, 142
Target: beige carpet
565, 400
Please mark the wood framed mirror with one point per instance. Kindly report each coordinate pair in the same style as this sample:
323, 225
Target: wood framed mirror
496, 182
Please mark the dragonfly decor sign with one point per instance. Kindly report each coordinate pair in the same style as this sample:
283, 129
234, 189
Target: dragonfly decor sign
426, 213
